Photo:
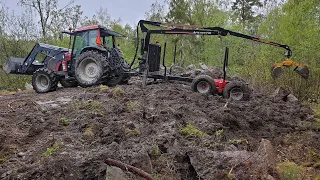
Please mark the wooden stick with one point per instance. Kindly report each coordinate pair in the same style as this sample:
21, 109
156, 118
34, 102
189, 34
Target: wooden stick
127, 167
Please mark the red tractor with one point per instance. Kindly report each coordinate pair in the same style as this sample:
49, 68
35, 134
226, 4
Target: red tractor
94, 59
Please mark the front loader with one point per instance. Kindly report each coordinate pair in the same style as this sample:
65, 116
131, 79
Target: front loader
93, 59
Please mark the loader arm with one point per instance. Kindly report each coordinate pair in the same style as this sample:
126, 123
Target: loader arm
168, 28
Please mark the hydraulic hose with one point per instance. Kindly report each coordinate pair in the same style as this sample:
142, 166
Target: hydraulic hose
137, 46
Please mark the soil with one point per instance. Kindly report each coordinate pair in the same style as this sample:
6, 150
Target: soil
67, 134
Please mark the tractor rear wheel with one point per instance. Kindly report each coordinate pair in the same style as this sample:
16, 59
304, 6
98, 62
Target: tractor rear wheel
204, 84
236, 90
44, 80
68, 83
120, 78
90, 67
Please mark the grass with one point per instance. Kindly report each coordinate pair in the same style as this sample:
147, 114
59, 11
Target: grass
103, 88
132, 106
90, 105
3, 158
88, 132
290, 171
52, 149
64, 121
192, 131
156, 150
118, 92
238, 141
133, 132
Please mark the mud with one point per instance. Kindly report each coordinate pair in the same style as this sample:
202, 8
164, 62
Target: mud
68, 133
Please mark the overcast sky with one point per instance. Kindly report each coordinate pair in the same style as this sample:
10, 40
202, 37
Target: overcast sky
130, 11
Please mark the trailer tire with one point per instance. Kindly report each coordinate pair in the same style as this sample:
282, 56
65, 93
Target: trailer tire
236, 90
204, 84
68, 83
90, 67
44, 80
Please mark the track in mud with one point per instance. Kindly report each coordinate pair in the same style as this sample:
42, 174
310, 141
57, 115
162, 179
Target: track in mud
164, 129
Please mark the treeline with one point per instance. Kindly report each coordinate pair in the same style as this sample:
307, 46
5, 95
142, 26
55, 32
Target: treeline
292, 22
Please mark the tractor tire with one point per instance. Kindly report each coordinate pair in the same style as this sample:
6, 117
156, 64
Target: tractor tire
90, 67
236, 90
68, 83
204, 84
44, 80
123, 67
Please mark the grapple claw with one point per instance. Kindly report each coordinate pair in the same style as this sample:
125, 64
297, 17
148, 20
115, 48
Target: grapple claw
276, 72
303, 71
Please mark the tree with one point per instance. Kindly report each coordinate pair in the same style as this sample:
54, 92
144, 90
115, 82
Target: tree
44, 8
245, 9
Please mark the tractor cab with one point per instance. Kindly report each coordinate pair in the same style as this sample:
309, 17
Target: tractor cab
92, 37
95, 36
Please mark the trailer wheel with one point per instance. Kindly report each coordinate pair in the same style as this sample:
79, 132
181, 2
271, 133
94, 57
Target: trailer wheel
236, 90
69, 83
204, 84
44, 80
90, 67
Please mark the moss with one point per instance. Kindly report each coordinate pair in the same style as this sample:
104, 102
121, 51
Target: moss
52, 149
190, 130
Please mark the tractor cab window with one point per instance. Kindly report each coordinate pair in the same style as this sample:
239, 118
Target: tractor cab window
93, 37
108, 42
80, 41
84, 39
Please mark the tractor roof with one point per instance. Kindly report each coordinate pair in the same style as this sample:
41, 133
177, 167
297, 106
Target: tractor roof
103, 30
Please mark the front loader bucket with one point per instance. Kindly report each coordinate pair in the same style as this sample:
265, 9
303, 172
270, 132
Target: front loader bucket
276, 72
13, 65
303, 71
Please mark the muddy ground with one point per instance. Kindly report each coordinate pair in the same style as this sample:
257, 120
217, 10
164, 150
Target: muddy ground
165, 130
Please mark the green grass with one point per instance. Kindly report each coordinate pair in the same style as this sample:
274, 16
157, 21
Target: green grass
132, 106
64, 121
290, 171
191, 130
3, 158
50, 151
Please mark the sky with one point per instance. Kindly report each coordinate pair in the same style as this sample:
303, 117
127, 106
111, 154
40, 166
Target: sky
129, 11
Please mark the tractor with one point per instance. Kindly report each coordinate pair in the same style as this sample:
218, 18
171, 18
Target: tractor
93, 59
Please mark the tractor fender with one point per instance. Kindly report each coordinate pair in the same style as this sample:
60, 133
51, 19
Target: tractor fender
90, 48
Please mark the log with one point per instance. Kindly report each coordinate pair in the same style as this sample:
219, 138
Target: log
127, 167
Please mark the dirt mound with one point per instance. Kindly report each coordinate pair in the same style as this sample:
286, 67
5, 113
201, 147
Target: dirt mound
164, 129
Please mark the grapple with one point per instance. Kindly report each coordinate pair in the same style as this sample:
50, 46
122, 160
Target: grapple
301, 69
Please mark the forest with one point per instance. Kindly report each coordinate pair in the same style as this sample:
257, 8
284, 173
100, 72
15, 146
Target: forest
295, 23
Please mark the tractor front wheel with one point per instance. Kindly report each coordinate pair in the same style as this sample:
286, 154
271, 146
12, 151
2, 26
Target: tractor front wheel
90, 67
44, 80
204, 84
236, 90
